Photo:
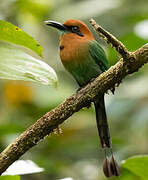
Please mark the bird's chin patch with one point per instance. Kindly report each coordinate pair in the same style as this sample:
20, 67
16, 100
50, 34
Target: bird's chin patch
62, 33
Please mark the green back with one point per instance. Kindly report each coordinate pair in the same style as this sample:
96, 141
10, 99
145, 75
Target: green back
98, 54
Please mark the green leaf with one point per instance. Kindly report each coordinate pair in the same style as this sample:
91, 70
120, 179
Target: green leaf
22, 167
10, 178
137, 165
126, 175
13, 34
17, 65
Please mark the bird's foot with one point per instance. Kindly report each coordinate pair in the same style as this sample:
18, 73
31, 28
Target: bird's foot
92, 79
113, 90
80, 88
85, 85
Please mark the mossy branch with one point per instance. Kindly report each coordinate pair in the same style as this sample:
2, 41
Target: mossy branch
130, 63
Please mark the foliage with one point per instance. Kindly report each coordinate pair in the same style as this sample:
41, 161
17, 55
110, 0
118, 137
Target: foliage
17, 65
10, 178
137, 165
13, 34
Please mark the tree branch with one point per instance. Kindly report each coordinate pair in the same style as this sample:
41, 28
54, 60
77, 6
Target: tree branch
51, 120
109, 38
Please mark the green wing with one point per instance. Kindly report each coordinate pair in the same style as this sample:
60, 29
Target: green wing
98, 54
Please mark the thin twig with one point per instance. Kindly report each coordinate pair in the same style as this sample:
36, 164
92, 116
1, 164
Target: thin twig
109, 38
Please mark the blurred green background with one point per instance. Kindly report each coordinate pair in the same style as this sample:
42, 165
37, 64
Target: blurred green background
77, 152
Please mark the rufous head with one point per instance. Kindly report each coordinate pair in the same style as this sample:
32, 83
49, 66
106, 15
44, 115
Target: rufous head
72, 27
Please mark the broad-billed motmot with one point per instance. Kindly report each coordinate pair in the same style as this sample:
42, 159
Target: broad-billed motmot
85, 59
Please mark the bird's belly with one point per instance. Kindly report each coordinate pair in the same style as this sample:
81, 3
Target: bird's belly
83, 72
79, 63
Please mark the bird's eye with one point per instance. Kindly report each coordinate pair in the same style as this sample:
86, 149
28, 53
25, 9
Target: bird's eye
75, 29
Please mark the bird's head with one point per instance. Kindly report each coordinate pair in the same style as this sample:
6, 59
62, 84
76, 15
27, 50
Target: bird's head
72, 27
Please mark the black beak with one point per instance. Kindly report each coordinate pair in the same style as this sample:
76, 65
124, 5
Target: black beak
57, 25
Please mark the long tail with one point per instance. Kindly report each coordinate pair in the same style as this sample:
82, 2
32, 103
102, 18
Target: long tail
110, 167
102, 123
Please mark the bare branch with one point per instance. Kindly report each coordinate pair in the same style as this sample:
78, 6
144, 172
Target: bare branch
111, 39
51, 120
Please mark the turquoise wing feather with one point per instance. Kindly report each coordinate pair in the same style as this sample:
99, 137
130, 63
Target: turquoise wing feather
98, 54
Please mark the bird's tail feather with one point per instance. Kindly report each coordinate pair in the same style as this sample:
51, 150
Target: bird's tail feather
110, 167
102, 123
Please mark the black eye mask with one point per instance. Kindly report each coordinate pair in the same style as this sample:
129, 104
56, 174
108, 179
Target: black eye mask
75, 29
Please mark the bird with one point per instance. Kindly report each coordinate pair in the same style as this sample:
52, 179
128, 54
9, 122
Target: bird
84, 58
